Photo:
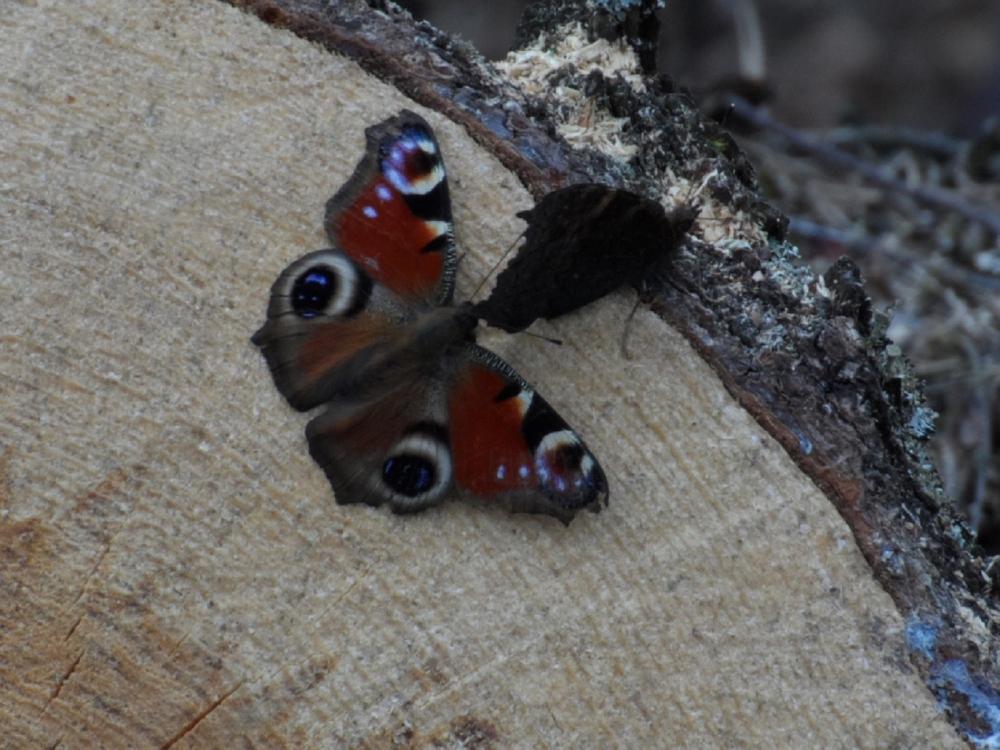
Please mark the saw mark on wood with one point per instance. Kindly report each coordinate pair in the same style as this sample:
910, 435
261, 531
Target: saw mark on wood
532, 157
6, 492
322, 615
62, 681
493, 664
22, 545
177, 645
327, 664
102, 555
199, 717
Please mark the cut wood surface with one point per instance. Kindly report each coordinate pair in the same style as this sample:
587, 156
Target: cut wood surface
174, 569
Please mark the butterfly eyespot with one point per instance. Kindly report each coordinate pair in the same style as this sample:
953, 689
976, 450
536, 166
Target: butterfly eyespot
413, 166
567, 458
327, 283
567, 472
312, 292
418, 470
409, 475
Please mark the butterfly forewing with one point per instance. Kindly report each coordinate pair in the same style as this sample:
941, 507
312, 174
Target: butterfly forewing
393, 216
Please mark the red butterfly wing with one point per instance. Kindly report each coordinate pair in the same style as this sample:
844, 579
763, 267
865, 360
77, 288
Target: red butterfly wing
393, 216
507, 440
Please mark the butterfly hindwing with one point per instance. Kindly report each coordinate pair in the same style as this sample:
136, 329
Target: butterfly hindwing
581, 243
392, 450
393, 216
474, 425
326, 321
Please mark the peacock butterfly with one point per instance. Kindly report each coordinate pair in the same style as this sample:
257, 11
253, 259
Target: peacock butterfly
582, 242
412, 409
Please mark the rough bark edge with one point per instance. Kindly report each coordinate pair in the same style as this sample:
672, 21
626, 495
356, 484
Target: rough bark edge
805, 356
441, 73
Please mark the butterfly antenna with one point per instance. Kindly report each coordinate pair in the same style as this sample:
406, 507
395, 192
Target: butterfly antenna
628, 328
497, 264
549, 339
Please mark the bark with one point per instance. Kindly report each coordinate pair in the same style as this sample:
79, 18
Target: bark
174, 569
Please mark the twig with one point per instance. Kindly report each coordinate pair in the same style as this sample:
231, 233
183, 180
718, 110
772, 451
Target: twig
938, 145
864, 243
934, 197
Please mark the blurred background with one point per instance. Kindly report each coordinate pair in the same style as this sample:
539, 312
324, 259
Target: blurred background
911, 87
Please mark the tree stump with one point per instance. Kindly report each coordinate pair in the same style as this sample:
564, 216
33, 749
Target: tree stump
175, 571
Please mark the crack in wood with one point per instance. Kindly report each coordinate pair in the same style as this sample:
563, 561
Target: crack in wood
554, 719
93, 571
170, 654
199, 717
59, 685
458, 685
73, 629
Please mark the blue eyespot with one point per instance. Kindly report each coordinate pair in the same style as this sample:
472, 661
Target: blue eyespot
312, 292
408, 475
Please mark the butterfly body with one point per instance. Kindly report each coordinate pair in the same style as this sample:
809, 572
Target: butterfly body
412, 409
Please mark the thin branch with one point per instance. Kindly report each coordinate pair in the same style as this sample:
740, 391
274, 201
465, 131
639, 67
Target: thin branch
939, 145
933, 197
864, 243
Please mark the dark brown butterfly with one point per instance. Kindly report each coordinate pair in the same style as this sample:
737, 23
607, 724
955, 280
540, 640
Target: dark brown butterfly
582, 242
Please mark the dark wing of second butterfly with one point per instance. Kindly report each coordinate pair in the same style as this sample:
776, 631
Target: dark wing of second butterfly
582, 242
